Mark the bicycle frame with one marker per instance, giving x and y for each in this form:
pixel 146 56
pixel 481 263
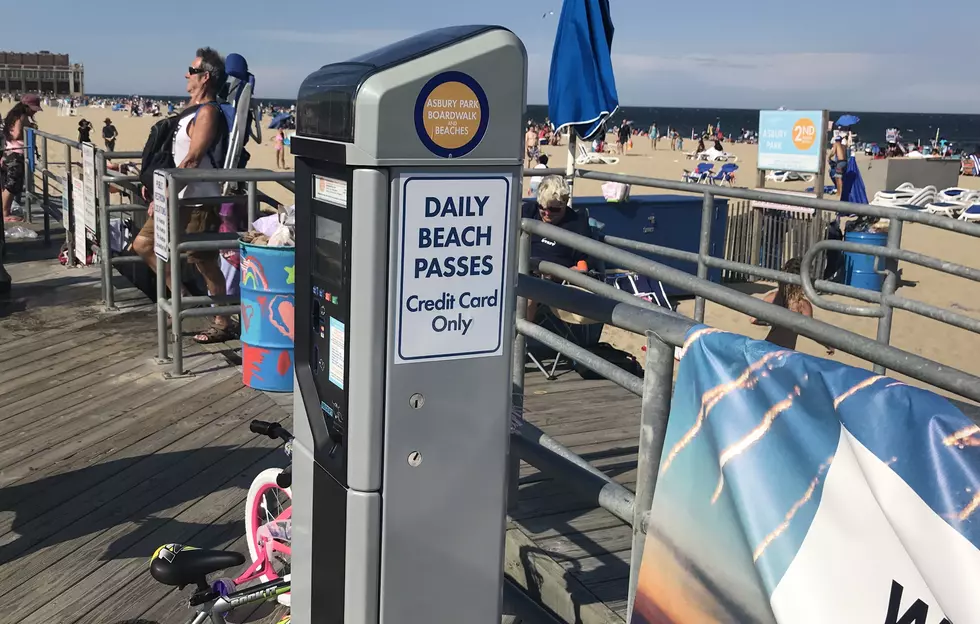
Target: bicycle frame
pixel 258 567
pixel 216 609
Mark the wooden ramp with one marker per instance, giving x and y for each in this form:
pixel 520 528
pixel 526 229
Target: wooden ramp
pixel 102 460
pixel 567 554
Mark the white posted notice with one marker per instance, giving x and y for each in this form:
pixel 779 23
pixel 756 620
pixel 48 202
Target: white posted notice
pixel 88 175
pixel 161 222
pixel 452 261
pixel 78 235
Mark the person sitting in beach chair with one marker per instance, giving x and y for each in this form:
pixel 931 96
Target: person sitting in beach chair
pixel 201 131
pixel 551 207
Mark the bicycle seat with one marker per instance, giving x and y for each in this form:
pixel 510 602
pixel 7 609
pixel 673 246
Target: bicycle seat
pixel 179 565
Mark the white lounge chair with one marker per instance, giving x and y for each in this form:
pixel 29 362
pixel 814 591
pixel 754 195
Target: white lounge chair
pixel 905 194
pixel 789 176
pixel 970 213
pixel 586 157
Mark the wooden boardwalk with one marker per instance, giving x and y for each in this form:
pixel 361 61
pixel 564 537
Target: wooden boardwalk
pixel 102 460
pixel 567 554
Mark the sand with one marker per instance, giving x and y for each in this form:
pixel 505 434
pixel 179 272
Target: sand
pixel 947 345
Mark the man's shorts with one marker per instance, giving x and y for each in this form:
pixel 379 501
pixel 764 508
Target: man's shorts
pixel 840 167
pixel 194 220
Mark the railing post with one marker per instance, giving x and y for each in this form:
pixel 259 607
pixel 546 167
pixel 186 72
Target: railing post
pixel 517 385
pixel 105 236
pixel 45 200
pixel 162 357
pixel 70 218
pixel 29 174
pixel 253 202
pixel 173 218
pixel 704 249
pixel 888 287
pixel 654 411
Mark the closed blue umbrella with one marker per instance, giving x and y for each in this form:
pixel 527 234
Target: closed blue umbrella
pixel 852 189
pixel 582 88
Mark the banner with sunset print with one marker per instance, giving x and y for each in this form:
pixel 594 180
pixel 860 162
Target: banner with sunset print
pixel 797 490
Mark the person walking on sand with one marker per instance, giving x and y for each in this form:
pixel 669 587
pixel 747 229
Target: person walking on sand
pixel 837 159
pixel 280 150
pixel 791 297
pixel 109 135
pixel 654 135
pixel 530 145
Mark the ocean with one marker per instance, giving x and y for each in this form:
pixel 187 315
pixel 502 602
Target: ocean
pixel 964 130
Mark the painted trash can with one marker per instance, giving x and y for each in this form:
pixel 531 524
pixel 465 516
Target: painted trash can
pixel 268 295
pixel 860 268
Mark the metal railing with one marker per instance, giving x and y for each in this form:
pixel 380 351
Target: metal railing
pixel 664 329
pixel 47 174
pixel 179 307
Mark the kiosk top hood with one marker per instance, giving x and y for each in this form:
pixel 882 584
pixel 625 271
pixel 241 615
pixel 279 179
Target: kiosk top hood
pixel 398 105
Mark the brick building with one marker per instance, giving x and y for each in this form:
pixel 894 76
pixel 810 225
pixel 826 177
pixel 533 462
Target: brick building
pixel 40 72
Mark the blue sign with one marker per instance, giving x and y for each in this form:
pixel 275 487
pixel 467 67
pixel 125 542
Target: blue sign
pixel 790 140
pixel 30 151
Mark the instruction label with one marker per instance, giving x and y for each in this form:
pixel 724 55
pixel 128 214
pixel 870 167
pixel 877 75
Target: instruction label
pixel 161 221
pixel 335 370
pixel 452 259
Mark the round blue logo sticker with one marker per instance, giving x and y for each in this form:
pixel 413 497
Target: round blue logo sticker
pixel 451 114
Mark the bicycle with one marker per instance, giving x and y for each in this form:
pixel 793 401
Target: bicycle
pixel 268 529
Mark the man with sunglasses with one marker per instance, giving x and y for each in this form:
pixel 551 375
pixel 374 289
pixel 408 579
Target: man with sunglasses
pixel 552 208
pixel 194 145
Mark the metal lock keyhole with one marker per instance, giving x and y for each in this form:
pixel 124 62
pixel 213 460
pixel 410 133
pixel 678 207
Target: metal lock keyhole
pixel 416 400
pixel 414 459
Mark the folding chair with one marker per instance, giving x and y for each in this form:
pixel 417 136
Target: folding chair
pixel 639 286
pixel 575 328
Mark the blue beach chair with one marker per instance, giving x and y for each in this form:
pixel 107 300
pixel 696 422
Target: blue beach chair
pixel 726 175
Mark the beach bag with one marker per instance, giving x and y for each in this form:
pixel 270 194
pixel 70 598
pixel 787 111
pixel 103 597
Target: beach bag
pixel 158 149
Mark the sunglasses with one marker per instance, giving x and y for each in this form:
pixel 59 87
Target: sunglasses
pixel 550 209
pixel 193 71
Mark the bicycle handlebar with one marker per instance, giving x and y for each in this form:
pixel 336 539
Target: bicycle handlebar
pixel 270 430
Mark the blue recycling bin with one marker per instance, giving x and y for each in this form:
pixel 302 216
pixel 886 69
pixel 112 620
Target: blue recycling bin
pixel 859 269
pixel 268 295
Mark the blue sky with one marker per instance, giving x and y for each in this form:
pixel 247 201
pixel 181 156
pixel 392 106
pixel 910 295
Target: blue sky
pixel 709 53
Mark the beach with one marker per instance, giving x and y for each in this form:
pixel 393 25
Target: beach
pixel 947 345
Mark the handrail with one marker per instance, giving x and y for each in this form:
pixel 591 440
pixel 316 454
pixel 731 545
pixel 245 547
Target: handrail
pixel 915 366
pixel 870 210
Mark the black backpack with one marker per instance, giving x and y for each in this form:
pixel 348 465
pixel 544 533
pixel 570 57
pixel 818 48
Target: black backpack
pixel 158 149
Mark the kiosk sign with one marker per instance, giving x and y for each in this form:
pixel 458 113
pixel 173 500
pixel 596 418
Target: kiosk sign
pixel 451 114
pixel 452 265
pixel 790 140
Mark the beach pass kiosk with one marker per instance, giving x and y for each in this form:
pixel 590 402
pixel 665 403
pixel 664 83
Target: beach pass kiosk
pixel 408 178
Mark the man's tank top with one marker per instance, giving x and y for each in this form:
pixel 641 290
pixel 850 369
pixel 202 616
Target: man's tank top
pixel 182 145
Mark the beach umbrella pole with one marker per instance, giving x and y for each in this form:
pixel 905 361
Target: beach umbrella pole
pixel 570 165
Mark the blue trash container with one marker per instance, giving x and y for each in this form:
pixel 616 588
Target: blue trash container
pixel 268 309
pixel 860 268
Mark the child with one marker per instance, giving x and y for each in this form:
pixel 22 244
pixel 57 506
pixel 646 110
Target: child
pixel 280 151
pixel 791 297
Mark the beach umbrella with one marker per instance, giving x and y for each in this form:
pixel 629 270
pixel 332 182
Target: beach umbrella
pixel 848 120
pixel 852 188
pixel 582 89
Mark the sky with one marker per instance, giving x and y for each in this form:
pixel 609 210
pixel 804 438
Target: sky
pixel 856 55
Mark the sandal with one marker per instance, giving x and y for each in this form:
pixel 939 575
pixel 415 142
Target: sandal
pixel 13 219
pixel 215 334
